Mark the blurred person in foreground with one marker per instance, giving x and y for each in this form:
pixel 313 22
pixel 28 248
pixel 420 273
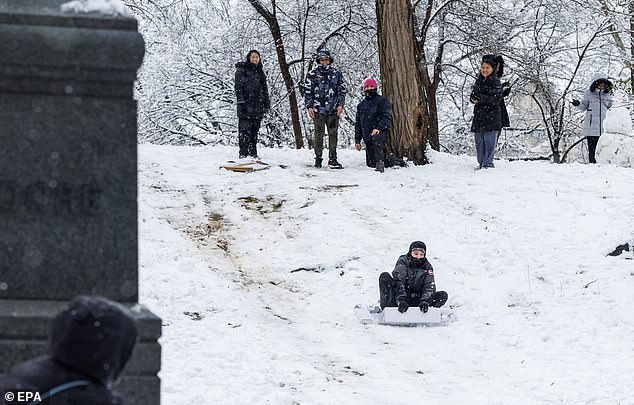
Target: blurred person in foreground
pixel 90 343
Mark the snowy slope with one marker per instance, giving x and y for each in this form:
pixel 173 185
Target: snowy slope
pixel 273 262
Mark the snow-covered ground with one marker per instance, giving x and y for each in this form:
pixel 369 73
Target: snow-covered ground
pixel 255 277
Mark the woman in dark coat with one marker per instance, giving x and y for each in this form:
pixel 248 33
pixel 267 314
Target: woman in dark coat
pixel 487 116
pixel 252 96
pixel 372 124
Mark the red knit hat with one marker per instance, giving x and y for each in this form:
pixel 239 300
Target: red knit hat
pixel 369 82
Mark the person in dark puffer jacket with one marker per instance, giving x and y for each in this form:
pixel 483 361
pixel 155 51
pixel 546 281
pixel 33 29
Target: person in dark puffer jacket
pixel 89 345
pixel 253 102
pixel 411 283
pixel 372 124
pixel 487 117
pixel 325 98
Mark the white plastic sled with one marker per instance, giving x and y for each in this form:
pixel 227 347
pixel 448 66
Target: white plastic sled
pixel 390 316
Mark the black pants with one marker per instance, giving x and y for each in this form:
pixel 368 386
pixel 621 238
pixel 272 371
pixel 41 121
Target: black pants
pixel 388 295
pixel 374 149
pixel 248 136
pixel 592 147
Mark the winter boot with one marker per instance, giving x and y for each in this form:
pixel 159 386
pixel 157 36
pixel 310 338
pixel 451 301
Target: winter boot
pixel 318 162
pixel 380 166
pixel 333 164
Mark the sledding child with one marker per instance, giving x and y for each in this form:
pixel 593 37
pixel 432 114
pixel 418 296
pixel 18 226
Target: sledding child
pixel 411 283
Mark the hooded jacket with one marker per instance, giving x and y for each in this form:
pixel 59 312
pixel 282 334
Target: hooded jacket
pixel 373 112
pixel 595 103
pixel 413 282
pixel 487 115
pixel 90 340
pixel 252 92
pixel 324 88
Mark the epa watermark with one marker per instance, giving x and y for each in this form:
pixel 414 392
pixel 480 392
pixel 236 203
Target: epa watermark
pixel 23 397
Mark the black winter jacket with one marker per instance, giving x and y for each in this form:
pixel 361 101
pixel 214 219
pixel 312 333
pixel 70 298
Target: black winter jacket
pixel 92 340
pixel 504 115
pixel 413 283
pixel 252 92
pixel 373 112
pixel 487 114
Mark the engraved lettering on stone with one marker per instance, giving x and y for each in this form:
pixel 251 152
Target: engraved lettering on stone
pixel 50 197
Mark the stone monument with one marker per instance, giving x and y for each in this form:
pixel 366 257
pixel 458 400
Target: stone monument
pixel 68 177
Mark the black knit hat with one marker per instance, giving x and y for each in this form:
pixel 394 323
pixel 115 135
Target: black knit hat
pixel 417 245
pixel 324 54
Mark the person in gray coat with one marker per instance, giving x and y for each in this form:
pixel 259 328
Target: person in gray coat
pixel 595 103
pixel 411 283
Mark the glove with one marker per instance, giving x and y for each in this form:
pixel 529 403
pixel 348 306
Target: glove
pixel 506 89
pixel 575 102
pixel 402 307
pixel 424 306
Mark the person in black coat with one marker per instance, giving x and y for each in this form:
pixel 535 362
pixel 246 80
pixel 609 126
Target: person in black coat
pixel 253 102
pixel 411 283
pixel 372 124
pixel 89 345
pixel 506 90
pixel 487 116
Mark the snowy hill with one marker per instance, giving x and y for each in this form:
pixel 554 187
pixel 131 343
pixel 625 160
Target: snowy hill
pixel 255 277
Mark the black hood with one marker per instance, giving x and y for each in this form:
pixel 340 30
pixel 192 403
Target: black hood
pixel 606 82
pixel 417 263
pixel 248 65
pixel 94 336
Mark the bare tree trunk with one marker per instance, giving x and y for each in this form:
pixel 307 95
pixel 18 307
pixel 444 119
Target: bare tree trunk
pixel 398 56
pixel 274 27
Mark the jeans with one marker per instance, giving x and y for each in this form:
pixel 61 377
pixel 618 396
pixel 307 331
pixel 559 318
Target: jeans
pixel 485 147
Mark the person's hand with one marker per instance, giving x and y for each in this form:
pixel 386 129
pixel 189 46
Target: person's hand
pixel 506 89
pixel 402 306
pixel 311 113
pixel 424 306
pixel 375 132
pixel 339 110
pixel 473 100
pixel 575 102
pixel 357 146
